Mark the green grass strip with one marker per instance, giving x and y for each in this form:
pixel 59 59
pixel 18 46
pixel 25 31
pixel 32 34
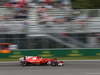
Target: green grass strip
pixel 60 58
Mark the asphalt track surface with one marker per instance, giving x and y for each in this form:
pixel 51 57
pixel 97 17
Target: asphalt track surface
pixel 70 68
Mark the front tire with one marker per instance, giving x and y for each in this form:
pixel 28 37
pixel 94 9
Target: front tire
pixel 53 63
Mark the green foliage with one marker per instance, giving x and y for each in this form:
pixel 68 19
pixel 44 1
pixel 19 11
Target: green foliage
pixel 86 4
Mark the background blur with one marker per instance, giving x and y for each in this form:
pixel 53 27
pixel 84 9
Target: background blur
pixel 46 24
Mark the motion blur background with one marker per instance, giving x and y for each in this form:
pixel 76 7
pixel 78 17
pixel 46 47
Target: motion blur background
pixel 44 24
pixel 62 29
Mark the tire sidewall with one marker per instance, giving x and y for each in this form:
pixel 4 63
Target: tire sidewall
pixel 24 63
pixel 53 63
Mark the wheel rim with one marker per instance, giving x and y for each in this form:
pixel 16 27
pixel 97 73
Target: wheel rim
pixel 24 63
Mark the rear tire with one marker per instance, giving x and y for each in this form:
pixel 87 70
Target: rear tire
pixel 24 63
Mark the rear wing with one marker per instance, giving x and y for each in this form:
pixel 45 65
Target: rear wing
pixel 24 58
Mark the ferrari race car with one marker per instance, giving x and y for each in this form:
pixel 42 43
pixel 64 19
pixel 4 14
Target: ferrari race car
pixel 39 61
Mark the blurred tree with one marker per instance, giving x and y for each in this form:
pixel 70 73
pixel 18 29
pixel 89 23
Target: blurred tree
pixel 96 4
pixel 86 4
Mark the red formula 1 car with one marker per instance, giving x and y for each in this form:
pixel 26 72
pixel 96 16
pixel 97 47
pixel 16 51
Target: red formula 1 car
pixel 39 61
